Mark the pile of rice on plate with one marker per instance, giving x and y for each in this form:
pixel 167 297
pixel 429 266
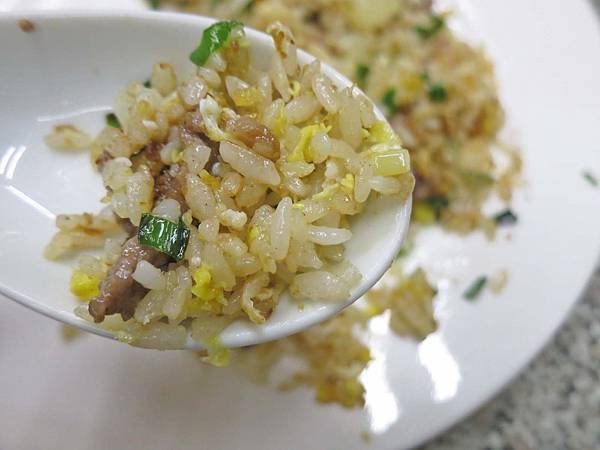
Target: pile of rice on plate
pixel 441 98
pixel 439 92
pixel 232 186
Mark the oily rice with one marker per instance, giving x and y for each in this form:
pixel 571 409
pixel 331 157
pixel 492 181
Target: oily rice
pixel 258 172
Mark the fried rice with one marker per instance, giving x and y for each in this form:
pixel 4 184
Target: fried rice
pixel 232 186
pixel 441 97
pixel 439 92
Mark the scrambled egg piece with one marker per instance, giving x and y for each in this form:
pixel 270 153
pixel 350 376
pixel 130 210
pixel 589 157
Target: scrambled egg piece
pixel 279 126
pixel 218 355
pixel 253 233
pixel 303 151
pixel 327 193
pixel 246 97
pixel 347 183
pixel 299 205
pixel 382 133
pixel 84 286
pixel 209 180
pixel 204 288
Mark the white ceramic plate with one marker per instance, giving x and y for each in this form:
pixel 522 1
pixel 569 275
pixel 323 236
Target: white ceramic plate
pixel 97 394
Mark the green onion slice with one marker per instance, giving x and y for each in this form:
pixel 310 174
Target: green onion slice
pixel 475 289
pixel 163 235
pixel 361 73
pixel 506 217
pixel 437 203
pixel 437 93
pixel 214 37
pixel 436 24
pixel 389 100
pixel 111 120
pixel 591 178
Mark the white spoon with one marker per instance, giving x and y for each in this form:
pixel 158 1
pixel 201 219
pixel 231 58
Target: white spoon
pixel 68 70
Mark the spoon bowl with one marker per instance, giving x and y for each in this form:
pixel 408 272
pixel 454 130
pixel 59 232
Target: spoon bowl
pixel 68 69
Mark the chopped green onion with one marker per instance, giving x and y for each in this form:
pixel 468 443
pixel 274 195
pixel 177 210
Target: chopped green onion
pixel 506 217
pixel 402 253
pixel 389 100
pixel 475 289
pixel 112 121
pixel 214 37
pixel 436 24
pixel 362 72
pixel 590 178
pixel 437 93
pixel 154 4
pixel 407 248
pixel 163 235
pixel 147 83
pixel 437 202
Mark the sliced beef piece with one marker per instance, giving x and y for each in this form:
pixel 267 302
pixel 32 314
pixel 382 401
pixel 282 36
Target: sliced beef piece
pixel 169 184
pixel 215 156
pixel 127 226
pixel 190 134
pixel 102 159
pixel 119 293
pixel 191 128
pixel 129 303
pixel 255 136
pixel 150 157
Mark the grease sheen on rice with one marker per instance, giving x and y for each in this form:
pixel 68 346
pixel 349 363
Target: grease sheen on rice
pixel 263 169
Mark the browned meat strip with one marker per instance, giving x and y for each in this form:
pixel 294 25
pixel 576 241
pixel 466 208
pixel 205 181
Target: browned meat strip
pixel 215 156
pixel 255 136
pixel 26 25
pixel 192 126
pixel 129 303
pixel 102 159
pixel 119 293
pixel 127 226
pixel 169 184
pixel 150 157
pixel 191 134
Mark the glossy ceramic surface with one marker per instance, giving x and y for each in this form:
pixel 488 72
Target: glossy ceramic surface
pixel 93 392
